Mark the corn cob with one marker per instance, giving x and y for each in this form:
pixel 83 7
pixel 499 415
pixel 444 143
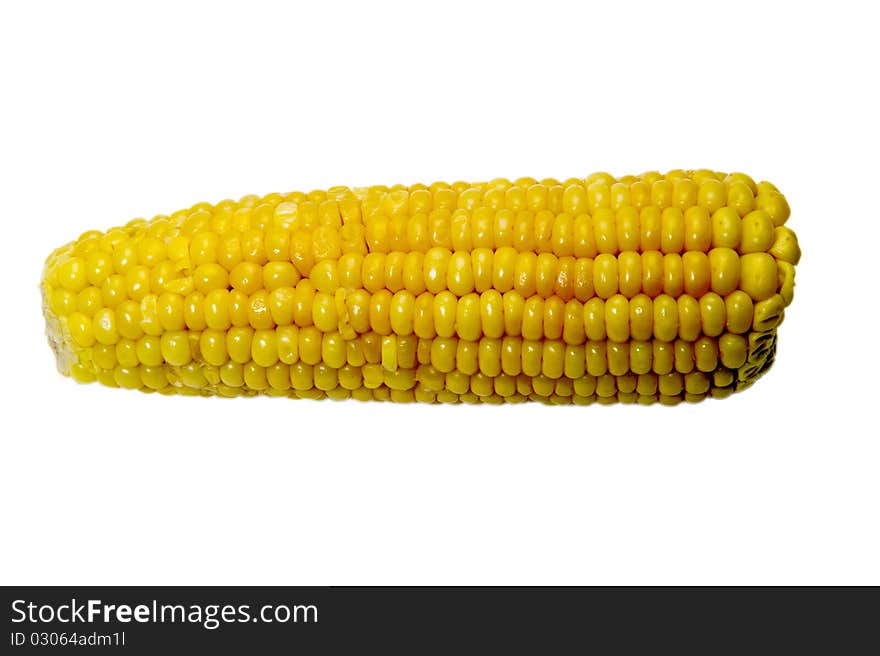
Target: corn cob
pixel 651 288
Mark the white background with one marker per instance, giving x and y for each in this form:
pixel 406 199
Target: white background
pixel 116 110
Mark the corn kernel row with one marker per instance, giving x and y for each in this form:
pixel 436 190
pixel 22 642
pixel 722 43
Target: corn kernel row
pixel 235 379
pixel 87 286
pixel 489 356
pixel 208 256
pixel 490 314
pixel 605 231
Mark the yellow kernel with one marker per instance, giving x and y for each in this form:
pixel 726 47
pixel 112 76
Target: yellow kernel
pixel 436 264
pixel 606 386
pixel 254 376
pixel 722 377
pixel 238 343
pixel 684 193
pixel 80 327
pixel 546 268
pixel 287 342
pixel 724 269
pixel 598 194
pixel 310 344
pixel 739 309
pixel 758 277
pixel 757 232
pixel 137 282
pixel 698 229
pixel 489 357
pixel 653 273
pixel 212 346
pixel 278 376
pixel 104 356
pixel 175 348
pixel 246 277
pixel 594 319
pixel 712 314
pixel 533 318
pixel 467 317
pixel 651 223
pixel 202 248
pixel 258 311
pixel 531 352
pixel 413 268
pixel 88 301
pixel 124 257
pixel 127 377
pixel 605 275
pixel 562 235
pixel 402 312
pixel 605 231
pixel 711 195
pixel 511 355
pixel 98 266
pixel 554 317
pixel 232 374
pixel 665 318
pixel 573 331
pixel 734 350
pixel 114 290
pixel 264 350
pixel 72 274
pixel 148 350
pixel 303 299
pixel 584 237
pixel 629 265
pixel 662 357
pixel 785 245
pixel 673 274
pixel 706 354
pixel 740 198
pixel 170 310
pixel 628 228
pixel 672 230
pixel 210 276
pixel 491 314
pixel 460 277
pixel 688 317
pixel 216 309
pixel 514 307
pixel 104 327
pixel 324 312
pixel 641 317
pixel 253 246
pixel 617 318
pixel 277 245
pixel 280 274
pixel 768 314
pixel 357 309
pixel 774 203
pixel 553 359
pixel 684 356
pixel 640 357
pixel 726 228
pixel 62 302
pixel 670 384
pixel 696 273
pixel 525 274
pixel 467 357
pixel 696 383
